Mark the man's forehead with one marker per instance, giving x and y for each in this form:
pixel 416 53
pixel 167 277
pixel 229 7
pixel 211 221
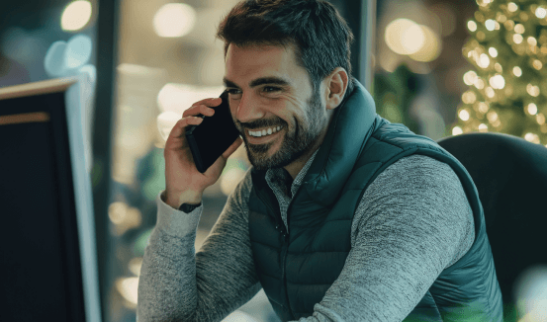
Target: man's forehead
pixel 250 63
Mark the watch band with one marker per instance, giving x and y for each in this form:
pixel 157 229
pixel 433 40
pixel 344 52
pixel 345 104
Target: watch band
pixel 187 208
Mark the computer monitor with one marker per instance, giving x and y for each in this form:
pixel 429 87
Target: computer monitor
pixel 48 261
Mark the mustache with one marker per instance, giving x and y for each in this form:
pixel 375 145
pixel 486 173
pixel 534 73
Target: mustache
pixel 261 123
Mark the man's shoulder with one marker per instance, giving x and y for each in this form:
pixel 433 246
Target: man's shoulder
pixel 415 178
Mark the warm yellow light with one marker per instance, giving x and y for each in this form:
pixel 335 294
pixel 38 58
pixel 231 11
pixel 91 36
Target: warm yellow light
pixel 76 15
pixel 517 71
pixel 483 107
pixel 498 67
pixel 531 137
pixel 174 20
pixel 128 288
pixel 479 84
pixel 532 90
pixel 464 115
pixel 541 12
pixel 404 36
pixel 540 118
pixel 537 64
pixel 472 26
pixel 512 7
pixel 519 28
pixel 431 47
pixel 484 61
pixel 490 24
pixel 135 265
pixel 457 130
pixel 517 38
pixel 483 127
pixel 497 82
pixel 532 41
pixel 490 92
pixel 469 78
pixel 493 52
pixel 492 116
pixel 469 97
pixel 124 217
pixel 532 109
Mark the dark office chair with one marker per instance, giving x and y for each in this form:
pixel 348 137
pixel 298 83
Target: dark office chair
pixel 511 176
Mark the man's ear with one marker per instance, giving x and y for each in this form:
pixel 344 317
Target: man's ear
pixel 336 85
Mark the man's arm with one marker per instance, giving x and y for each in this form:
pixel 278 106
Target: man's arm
pixel 178 285
pixel 413 221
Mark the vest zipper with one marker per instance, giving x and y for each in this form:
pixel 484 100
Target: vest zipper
pixel 280 226
pixel 284 249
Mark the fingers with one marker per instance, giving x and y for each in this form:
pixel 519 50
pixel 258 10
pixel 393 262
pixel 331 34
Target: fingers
pixel 198 109
pixel 179 128
pixel 232 148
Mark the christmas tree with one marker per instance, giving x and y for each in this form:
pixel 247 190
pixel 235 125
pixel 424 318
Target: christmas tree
pixel 507 88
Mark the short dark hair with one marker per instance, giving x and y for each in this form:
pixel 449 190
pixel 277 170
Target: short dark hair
pixel 320 36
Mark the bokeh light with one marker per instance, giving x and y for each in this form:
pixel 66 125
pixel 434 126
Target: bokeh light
pixel 472 26
pixel 128 287
pixel 404 36
pixel 497 82
pixel 174 20
pixel 431 48
pixel 76 15
pixel 78 51
pixel 532 109
pixel 54 61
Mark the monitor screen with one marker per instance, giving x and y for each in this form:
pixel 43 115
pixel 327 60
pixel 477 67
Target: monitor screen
pixel 47 238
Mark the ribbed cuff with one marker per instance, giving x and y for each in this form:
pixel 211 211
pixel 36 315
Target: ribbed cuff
pixel 176 222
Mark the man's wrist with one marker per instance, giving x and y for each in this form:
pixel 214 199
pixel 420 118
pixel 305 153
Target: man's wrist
pixel 188 197
pixel 188 208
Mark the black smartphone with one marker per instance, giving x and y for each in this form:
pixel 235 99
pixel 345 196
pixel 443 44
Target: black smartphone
pixel 213 136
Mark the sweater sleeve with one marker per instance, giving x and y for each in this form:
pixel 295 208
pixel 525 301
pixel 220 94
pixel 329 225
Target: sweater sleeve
pixel 176 284
pixel 413 221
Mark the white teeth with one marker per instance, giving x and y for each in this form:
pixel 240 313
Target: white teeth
pixel 264 132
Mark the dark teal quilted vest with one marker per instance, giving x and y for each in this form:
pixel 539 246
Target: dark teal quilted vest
pixel 296 269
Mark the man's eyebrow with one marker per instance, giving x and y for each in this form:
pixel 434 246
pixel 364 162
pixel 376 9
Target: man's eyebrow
pixel 260 81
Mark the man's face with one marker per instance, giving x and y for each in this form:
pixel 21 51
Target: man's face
pixel 271 95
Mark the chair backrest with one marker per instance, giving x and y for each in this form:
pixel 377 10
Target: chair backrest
pixel 511 176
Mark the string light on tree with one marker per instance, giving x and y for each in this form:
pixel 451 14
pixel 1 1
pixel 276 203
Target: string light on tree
pixel 508 51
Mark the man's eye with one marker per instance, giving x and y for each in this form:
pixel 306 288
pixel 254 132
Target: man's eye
pixel 272 89
pixel 233 91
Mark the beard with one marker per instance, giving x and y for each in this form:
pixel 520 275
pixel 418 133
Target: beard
pixel 293 145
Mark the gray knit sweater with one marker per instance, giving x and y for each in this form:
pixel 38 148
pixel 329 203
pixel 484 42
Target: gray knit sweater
pixel 413 221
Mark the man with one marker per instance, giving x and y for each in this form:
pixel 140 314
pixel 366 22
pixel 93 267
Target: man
pixel 343 215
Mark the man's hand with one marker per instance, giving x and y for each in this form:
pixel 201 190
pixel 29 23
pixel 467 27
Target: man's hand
pixel 184 183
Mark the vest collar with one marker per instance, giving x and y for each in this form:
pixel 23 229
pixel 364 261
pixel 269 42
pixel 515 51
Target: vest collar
pixel 348 132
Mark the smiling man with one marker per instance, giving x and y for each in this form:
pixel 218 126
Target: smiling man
pixel 343 215
pixel 285 122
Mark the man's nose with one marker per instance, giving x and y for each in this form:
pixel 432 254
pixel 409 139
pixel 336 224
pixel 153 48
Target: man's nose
pixel 248 109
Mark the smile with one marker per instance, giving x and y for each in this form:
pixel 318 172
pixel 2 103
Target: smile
pixel 264 132
pixel 264 135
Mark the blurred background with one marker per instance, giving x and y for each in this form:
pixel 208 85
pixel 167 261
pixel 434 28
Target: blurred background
pixel 442 68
